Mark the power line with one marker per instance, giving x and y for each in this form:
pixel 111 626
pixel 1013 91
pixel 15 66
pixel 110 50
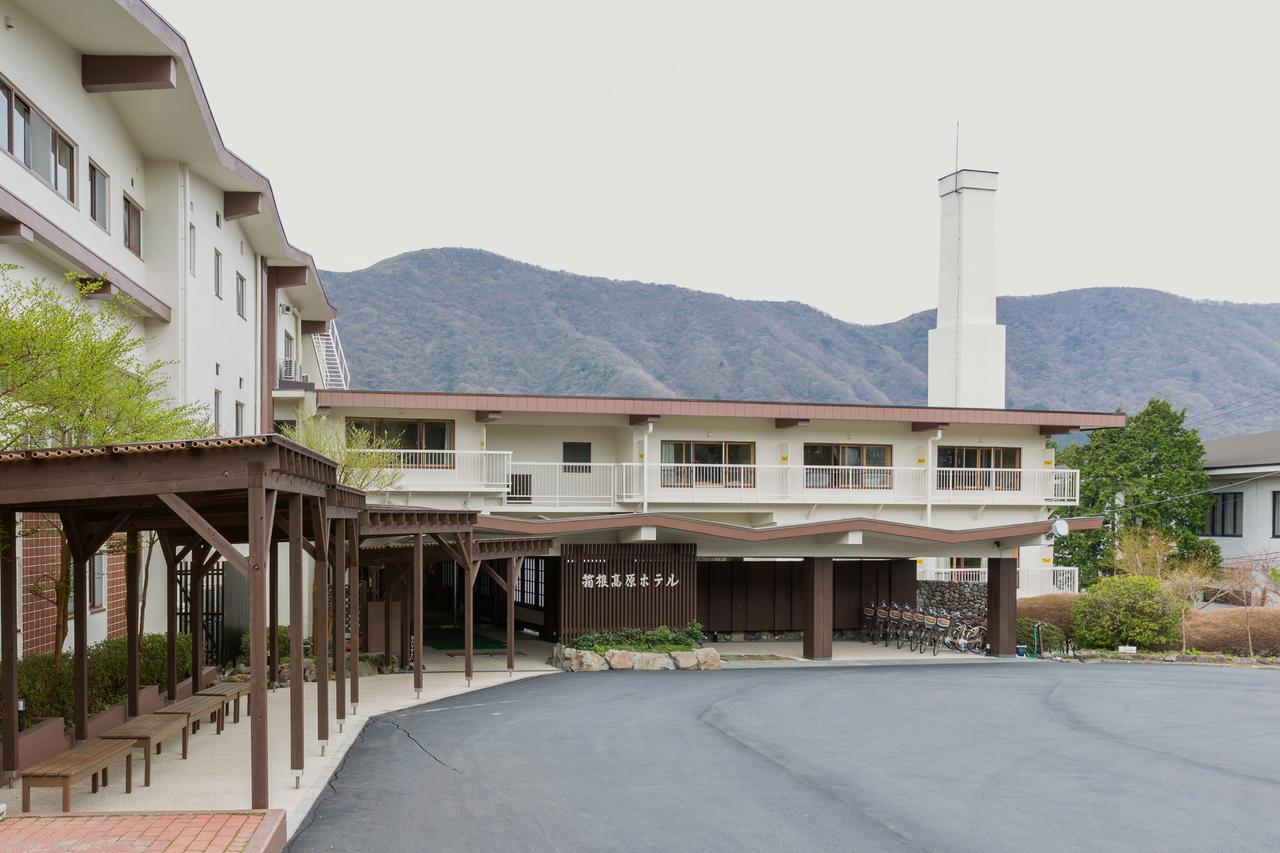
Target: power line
pixel 1191 494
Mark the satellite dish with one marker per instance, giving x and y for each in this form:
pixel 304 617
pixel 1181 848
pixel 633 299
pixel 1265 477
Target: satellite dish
pixel 1060 527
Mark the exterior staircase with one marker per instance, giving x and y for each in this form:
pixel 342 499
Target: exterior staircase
pixel 333 363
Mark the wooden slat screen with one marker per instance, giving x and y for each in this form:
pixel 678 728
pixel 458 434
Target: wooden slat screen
pixel 629 598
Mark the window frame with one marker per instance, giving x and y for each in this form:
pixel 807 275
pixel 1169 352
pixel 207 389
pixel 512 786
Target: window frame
pixel 217 411
pixel 217 273
pixel 575 466
pixel 239 417
pixel 1275 515
pixel 988 476
pixel 412 459
pixel 242 296
pixel 1215 522
pixel 98 576
pixel 96 170
pixel 130 207
pixel 690 473
pixel 12 96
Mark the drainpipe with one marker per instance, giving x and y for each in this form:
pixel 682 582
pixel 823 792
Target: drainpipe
pixel 929 460
pixel 644 468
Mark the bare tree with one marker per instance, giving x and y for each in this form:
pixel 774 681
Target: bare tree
pixel 1245 578
pixel 1192 583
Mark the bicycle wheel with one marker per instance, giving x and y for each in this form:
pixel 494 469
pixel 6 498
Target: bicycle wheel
pixel 979 640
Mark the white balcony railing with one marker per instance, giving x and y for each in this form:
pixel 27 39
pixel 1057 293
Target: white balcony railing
pixel 451 470
pixel 1034 580
pixel 556 484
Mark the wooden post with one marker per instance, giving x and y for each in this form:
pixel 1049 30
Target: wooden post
pixel 340 620
pixel 818 591
pixel 468 617
pixel 296 749
pixel 416 592
pixel 1002 613
pixel 273 615
pixel 9 544
pixel 171 613
pixel 384 581
pixel 195 593
pixel 353 567
pixel 513 574
pixel 259 540
pixel 80 585
pixel 320 632
pixel 132 571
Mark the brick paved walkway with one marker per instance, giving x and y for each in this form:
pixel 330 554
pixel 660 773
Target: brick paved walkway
pixel 168 831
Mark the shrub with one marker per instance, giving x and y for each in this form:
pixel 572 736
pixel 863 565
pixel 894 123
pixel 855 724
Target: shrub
pixel 1126 610
pixel 661 639
pixel 282 631
pixel 47 688
pixel 1051 637
pixel 1054 609
pixel 1223 630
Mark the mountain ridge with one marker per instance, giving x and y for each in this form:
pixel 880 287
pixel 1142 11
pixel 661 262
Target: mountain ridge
pixel 454 319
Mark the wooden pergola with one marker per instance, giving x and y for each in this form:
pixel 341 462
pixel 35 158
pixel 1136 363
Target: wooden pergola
pixel 203 498
pixel 394 538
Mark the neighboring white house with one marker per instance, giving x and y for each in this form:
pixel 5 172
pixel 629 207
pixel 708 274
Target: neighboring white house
pixel 1245 517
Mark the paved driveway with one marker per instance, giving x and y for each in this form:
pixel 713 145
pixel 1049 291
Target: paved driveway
pixel 1017 757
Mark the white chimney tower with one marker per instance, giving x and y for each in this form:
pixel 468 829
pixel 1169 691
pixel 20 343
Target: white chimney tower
pixel 966 349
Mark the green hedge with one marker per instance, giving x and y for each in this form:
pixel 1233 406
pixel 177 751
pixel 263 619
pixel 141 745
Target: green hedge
pixel 1126 610
pixel 47 689
pixel 282 631
pixel 1051 637
pixel 661 639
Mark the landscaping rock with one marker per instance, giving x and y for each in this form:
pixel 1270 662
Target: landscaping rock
pixel 707 658
pixel 579 660
pixel 619 659
pixel 685 660
pixel 367 668
pixel 557 656
pixel 652 661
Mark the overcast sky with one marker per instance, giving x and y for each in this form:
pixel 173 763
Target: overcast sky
pixel 783 150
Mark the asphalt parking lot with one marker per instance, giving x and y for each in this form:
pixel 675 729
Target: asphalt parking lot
pixel 1016 757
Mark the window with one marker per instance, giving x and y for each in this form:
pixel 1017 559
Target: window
pixel 1275 515
pixel 240 294
pixel 132 227
pixel 824 464
pixel 217 273
pixel 729 464
pixel 1226 516
pixel 980 468
pixel 288 346
pixel 576 456
pixel 217 218
pixel 217 412
pixel 239 418
pixel 191 249
pixel 412 435
pixel 531 584
pixel 98 582
pixel 98 190
pixel 37 144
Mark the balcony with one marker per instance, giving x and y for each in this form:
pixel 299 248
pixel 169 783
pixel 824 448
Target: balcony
pixel 618 485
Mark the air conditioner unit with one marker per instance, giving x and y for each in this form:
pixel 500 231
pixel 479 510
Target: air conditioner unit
pixel 288 368
pixel 286 309
pixel 305 377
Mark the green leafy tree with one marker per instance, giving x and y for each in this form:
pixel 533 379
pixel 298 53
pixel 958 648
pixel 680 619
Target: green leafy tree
pixel 75 372
pixel 1149 473
pixel 361 462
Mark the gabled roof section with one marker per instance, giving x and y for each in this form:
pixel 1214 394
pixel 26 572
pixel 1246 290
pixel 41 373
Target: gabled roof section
pixel 1243 451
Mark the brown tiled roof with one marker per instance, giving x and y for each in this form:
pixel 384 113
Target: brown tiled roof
pixel 149 447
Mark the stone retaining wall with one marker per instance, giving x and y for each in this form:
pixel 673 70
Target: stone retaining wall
pixel 968 598
pixel 580 660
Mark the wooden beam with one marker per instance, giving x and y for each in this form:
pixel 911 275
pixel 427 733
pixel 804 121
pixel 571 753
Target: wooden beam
pixel 1002 606
pixel 320 628
pixel 637 420
pixel 928 426
pixel 13 231
pixel 514 565
pixel 99 74
pixel 788 423
pixel 1050 429
pixel 339 621
pixel 238 205
pixel 287 276
pixel 315 327
pixel 818 607
pixel 416 592
pixel 171 561
pixel 487 417
pixel 273 614
pixel 494 576
pixel 353 567
pixel 207 531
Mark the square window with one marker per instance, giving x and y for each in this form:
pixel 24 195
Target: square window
pixel 576 456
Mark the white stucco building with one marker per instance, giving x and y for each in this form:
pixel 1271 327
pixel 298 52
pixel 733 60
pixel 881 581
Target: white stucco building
pixel 1245 517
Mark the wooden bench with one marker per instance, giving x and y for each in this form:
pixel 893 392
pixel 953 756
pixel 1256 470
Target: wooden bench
pixel 147 732
pixel 231 691
pixel 195 708
pixel 77 763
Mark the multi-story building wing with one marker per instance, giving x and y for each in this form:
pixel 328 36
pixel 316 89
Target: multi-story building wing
pixel 1245 516
pixel 114 168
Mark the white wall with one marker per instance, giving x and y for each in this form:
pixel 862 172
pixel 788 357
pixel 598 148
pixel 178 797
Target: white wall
pixel 1256 516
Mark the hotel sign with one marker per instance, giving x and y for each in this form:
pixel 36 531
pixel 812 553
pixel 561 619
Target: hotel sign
pixel 628 581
